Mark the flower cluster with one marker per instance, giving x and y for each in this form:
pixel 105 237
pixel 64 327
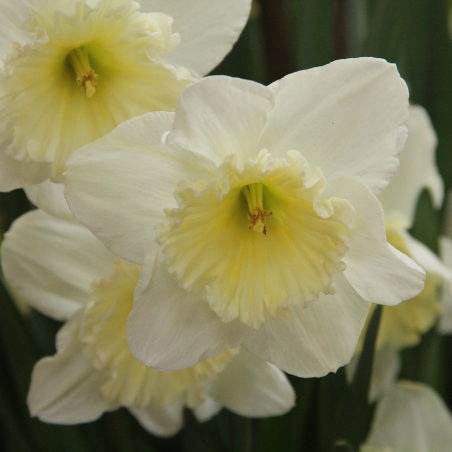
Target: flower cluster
pixel 213 232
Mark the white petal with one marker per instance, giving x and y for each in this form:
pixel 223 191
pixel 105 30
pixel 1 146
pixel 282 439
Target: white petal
pixel 377 271
pixel 51 263
pixel 169 329
pixel 12 17
pixel 386 368
pixel 119 185
pixel 207 410
pixel 16 173
pixel 252 387
pixel 417 168
pixel 208 29
pixel 65 387
pixel 411 418
pixel 317 339
pixel 218 116
pixel 50 198
pixel 347 117
pixel 165 421
pixel 445 324
pixel 426 258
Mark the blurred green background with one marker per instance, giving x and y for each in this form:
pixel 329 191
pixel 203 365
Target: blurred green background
pixel 282 36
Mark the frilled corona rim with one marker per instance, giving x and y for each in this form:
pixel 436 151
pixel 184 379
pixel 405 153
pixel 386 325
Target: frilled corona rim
pixel 258 240
pixel 84 74
pixel 127 381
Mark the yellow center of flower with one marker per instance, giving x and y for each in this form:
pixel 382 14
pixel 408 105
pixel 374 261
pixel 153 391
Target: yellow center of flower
pixel 127 381
pixel 85 76
pixel 111 44
pixel 212 247
pixel 256 214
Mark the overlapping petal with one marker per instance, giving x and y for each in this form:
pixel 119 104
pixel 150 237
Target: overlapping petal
pixel 377 271
pixel 119 186
pixel 164 421
pixel 411 418
pixel 252 387
pixel 49 197
pixel 220 22
pixel 445 324
pixel 51 263
pixel 206 410
pixel 347 117
pixel 317 339
pixel 429 261
pixel 219 116
pixel 72 393
pixel 169 329
pixel 12 17
pixel 417 169
pixel 15 173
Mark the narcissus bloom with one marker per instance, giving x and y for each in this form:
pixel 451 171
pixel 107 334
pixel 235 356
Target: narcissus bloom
pixel 402 325
pixel 445 324
pixel 60 268
pixel 254 213
pixel 410 418
pixel 72 70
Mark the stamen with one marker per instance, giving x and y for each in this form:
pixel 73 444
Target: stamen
pixel 86 77
pixel 257 216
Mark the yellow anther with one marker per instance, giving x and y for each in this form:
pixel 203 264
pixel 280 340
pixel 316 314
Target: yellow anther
pixel 257 216
pixel 85 76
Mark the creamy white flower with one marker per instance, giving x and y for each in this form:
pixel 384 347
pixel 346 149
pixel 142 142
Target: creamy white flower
pixel 260 201
pixel 60 268
pixel 410 418
pixel 72 70
pixel 445 324
pixel 403 325
pixel 417 169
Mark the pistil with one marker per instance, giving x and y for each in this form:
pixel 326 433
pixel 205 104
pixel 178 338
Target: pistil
pixel 86 77
pixel 257 216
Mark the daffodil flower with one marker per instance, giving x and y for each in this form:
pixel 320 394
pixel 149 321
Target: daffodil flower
pixel 445 324
pixel 253 211
pixel 72 70
pixel 402 326
pixel 410 418
pixel 61 269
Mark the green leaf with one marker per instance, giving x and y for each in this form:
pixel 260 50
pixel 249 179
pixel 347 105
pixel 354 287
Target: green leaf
pixel 426 223
pixel 246 60
pixel 312 25
pixel 354 414
pixel 19 352
pixel 292 428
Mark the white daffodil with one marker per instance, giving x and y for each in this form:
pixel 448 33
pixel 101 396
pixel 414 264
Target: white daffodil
pixel 403 325
pixel 252 209
pixel 445 324
pixel 410 418
pixel 72 70
pixel 60 268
